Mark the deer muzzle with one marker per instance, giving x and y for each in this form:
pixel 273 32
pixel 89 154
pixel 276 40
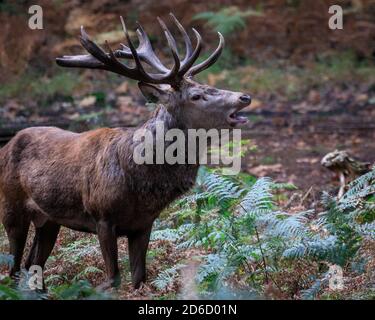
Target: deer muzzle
pixel 234 117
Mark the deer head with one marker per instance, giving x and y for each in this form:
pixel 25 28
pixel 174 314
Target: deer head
pixel 194 105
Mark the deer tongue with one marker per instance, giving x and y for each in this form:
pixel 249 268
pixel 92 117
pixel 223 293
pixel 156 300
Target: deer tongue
pixel 236 118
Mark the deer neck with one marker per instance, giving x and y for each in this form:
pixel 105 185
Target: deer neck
pixel 171 179
pixel 159 124
pixel 169 120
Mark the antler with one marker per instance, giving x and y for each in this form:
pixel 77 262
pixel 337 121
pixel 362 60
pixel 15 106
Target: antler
pixel 99 59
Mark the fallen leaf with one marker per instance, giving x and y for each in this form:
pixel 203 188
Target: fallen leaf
pixel 307 160
pixel 122 88
pixel 263 170
pixel 87 102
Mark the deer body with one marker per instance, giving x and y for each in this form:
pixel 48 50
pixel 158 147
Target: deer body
pixel 90 182
pixel 76 179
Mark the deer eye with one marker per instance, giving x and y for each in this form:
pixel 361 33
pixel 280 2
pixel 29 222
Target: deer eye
pixel 196 97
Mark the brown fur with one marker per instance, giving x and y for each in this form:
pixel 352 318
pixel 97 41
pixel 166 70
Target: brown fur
pixel 89 182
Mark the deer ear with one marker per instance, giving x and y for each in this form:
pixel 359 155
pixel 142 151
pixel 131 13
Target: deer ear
pixel 153 93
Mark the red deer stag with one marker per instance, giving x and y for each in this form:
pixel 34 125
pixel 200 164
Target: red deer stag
pixel 89 181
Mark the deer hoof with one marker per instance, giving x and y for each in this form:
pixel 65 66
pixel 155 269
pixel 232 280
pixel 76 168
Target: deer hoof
pixel 110 283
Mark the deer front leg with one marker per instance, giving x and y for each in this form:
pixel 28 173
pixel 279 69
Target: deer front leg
pixel 108 245
pixel 138 244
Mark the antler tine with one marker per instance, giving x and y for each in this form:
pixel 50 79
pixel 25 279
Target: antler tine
pixel 168 35
pixel 190 56
pixel 82 61
pixel 144 50
pixel 146 53
pixel 210 60
pixel 93 48
pixel 155 78
pixel 136 58
pixel 170 76
pixel 96 60
pixel 122 69
pixel 149 54
pixel 172 46
pixel 99 59
pixel 188 46
pixel 194 56
pixel 108 60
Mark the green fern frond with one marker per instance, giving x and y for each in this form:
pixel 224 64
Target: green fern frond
pixel 214 265
pixel 241 229
pixel 258 199
pixel 171 235
pixel 167 277
pixel 312 292
pixel 288 226
pixel 361 182
pixel 77 250
pixel 324 249
pixel 366 230
pixel 223 189
pixel 8 293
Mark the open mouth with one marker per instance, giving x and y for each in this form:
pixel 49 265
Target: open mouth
pixel 236 118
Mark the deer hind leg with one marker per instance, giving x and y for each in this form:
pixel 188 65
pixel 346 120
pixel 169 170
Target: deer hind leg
pixel 43 243
pixel 16 224
pixel 138 244
pixel 108 245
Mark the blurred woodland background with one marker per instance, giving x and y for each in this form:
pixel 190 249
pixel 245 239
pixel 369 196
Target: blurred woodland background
pixel 313 92
pixel 310 83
